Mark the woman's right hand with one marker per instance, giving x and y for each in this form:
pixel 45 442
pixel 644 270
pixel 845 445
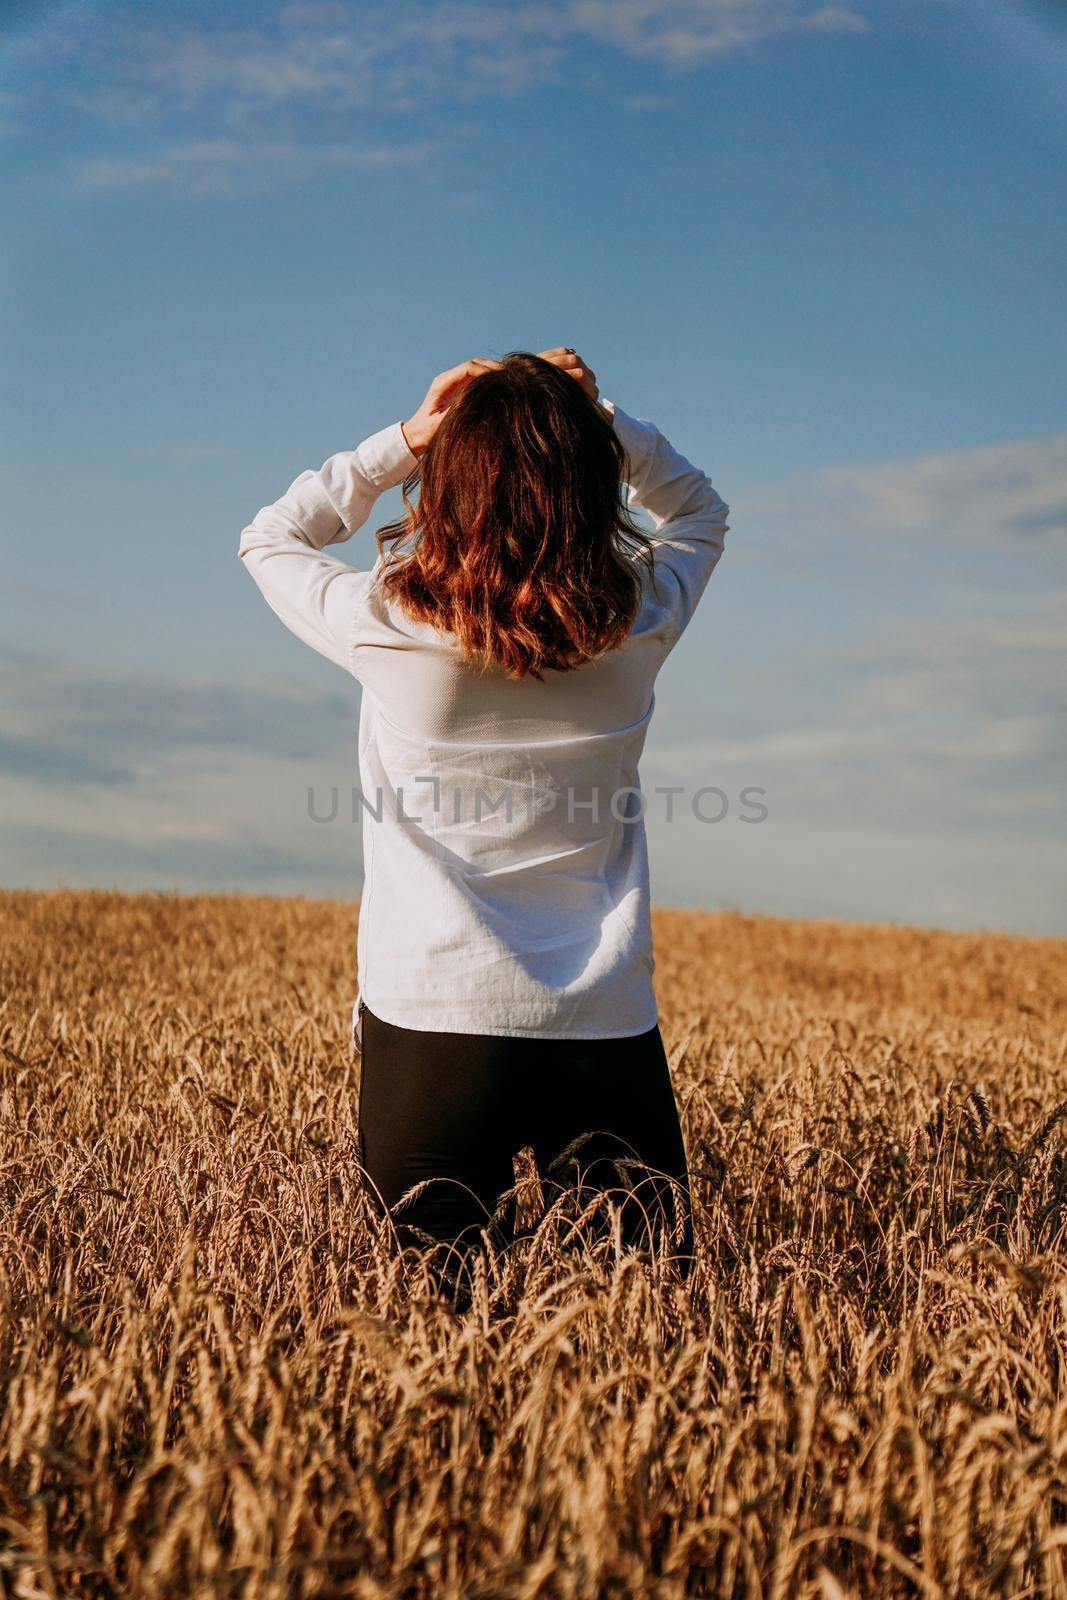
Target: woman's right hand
pixel 420 428
pixel 571 362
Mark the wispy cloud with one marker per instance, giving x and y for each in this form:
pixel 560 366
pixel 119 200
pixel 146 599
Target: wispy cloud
pixel 916 774
pixel 229 166
pixel 914 766
pixel 119 727
pixel 683 33
pixel 390 56
pixel 1011 495
pixel 133 778
pixel 957 717
pixel 212 107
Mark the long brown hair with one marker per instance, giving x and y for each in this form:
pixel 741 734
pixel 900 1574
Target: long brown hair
pixel 521 543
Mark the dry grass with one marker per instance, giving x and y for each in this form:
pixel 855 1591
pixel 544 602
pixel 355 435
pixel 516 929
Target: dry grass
pixel 217 1381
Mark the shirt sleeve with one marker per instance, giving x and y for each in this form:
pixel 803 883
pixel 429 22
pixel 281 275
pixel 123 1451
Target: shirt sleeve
pixel 688 515
pixel 315 594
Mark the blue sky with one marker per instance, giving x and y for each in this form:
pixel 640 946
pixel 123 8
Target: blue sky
pixel 821 246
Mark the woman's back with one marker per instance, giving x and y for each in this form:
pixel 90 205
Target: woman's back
pixel 506 872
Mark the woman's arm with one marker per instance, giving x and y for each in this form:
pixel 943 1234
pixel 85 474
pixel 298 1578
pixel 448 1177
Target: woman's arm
pixel 317 595
pixel 688 515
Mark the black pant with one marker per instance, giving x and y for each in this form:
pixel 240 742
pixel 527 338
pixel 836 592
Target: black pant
pixel 455 1108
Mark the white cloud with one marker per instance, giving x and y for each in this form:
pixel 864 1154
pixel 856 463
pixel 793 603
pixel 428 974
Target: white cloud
pixel 1006 495
pixel 178 92
pixel 682 33
pixel 837 19
pixel 138 779
pixel 229 166
pixel 917 775
pixel 389 61
pixel 940 740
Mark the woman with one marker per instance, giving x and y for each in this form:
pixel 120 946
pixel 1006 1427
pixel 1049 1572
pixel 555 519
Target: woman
pixel 507 642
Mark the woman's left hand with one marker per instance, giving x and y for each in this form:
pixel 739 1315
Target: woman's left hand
pixel 419 429
pixel 571 362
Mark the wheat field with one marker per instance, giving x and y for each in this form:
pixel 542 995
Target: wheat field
pixel 218 1380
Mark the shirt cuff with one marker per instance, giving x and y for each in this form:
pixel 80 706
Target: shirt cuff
pixel 386 458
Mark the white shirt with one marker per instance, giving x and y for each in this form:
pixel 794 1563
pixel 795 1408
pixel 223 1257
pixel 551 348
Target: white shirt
pixel 471 920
